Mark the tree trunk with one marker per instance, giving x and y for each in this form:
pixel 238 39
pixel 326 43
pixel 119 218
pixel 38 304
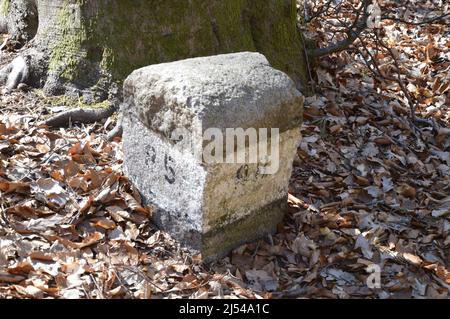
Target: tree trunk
pixel 91 46
pixel 19 18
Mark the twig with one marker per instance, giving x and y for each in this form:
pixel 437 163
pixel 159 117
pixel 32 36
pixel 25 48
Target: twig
pixel 139 273
pixel 428 21
pixel 97 286
pixel 308 65
pixel 358 26
pixel 412 105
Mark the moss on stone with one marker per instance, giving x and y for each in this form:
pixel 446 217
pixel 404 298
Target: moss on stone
pixel 221 240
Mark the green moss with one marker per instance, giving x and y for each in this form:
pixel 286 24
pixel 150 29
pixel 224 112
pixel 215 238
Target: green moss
pixel 4 7
pixel 140 34
pixel 223 238
pixel 64 100
pixel 279 40
pixel 117 37
pixel 99 105
pixel 68 51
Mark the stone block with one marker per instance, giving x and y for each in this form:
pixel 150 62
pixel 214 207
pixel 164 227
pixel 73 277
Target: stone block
pixel 210 143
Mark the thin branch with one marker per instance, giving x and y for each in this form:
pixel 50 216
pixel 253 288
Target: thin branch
pixel 358 26
pixel 324 8
pixel 308 65
pixel 412 104
pixel 428 21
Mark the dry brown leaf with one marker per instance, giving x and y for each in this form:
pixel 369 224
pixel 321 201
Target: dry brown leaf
pixel 407 191
pixel 413 259
pixel 104 223
pixel 12 187
pixel 10 278
pixel 90 240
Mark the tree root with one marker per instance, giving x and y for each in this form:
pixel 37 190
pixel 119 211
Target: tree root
pixel 86 116
pixel 117 130
pixel 80 115
pixel 17 73
pixel 14 73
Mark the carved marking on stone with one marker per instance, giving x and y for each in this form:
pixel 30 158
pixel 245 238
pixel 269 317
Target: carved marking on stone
pixel 242 173
pixel 170 176
pixel 151 156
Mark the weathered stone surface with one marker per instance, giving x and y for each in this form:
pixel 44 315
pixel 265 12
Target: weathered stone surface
pixel 210 206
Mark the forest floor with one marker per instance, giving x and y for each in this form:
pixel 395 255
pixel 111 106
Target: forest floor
pixel 370 195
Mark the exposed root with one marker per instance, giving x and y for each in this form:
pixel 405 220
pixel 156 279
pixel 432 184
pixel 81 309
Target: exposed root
pixel 5 43
pixel 80 115
pixel 86 116
pixel 117 130
pixel 14 73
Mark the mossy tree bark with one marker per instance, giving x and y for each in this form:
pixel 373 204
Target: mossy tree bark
pixel 19 18
pixel 89 46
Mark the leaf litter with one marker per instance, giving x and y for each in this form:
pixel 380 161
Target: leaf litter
pixel 368 189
